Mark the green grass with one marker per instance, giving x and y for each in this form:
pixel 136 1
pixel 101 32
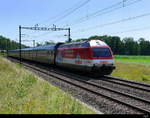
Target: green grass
pixel 142 60
pixel 132 57
pixel 21 92
pixel 133 68
pixel 2 54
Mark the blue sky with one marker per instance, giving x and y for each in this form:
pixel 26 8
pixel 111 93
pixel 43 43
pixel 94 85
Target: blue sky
pixel 46 12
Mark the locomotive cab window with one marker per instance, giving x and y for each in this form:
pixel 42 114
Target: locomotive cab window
pixel 101 52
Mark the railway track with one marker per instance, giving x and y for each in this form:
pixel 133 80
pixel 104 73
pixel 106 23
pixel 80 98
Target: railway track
pixel 143 91
pixel 137 85
pixel 130 102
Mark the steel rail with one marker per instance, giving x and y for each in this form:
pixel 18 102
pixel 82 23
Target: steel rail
pixel 108 89
pixel 126 84
pixel 129 81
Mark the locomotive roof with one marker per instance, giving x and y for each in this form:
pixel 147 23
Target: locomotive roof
pixel 97 43
pixel 90 43
pixel 46 47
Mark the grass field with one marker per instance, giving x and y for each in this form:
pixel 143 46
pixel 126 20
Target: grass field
pixel 143 60
pixel 3 54
pixel 21 92
pixel 133 68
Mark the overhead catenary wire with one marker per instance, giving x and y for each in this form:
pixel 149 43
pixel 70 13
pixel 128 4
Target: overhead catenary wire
pixel 90 15
pixel 132 30
pixel 75 6
pixel 104 11
pixel 70 12
pixel 113 22
pixel 65 14
pixel 44 34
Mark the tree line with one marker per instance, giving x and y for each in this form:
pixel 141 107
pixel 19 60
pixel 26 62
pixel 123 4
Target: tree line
pixel 7 44
pixel 126 46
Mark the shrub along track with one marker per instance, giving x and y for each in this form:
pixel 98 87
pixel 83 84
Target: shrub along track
pixel 107 94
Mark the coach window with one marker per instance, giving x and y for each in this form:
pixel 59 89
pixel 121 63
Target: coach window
pixel 65 46
pixel 62 46
pixel 70 46
pixel 73 46
pixel 76 45
pixel 85 45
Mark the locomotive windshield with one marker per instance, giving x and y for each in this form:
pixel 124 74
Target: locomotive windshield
pixel 101 52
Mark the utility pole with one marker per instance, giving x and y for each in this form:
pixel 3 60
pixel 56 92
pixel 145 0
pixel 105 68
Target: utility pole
pixel 34 43
pixel 124 3
pixel 7 47
pixel 69 39
pixel 20 44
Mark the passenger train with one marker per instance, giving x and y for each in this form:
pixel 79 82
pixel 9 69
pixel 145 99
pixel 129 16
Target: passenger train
pixel 92 56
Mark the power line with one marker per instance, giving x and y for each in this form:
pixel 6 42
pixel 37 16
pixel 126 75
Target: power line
pixel 132 30
pixel 98 13
pixel 62 13
pixel 105 11
pixel 119 3
pixel 84 18
pixel 114 22
pixel 124 3
pixel 44 34
pixel 62 16
pixel 72 11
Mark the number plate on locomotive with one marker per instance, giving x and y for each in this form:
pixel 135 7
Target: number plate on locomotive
pixel 104 62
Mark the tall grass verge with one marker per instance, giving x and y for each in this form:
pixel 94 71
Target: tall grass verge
pixel 21 92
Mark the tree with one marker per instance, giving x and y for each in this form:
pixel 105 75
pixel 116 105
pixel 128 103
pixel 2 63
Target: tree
pixel 7 44
pixel 144 46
